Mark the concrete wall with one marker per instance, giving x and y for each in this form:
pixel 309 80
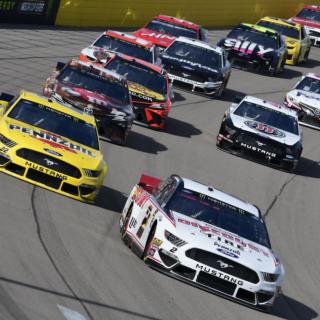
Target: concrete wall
pixel 135 13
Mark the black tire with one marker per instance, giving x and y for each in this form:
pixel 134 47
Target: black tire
pixel 149 242
pixel 126 222
pixel 306 55
pixel 118 135
pixel 219 93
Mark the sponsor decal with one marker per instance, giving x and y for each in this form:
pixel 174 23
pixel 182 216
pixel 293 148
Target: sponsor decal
pixel 219 274
pixel 227 253
pixel 227 250
pixel 4 149
pixel 55 153
pixel 132 223
pixel 264 128
pixel 45 170
pixel 259 150
pixel 54 141
pixel 158 35
pixel 228 238
pixel 246 46
pixel 141 96
pixel 157 242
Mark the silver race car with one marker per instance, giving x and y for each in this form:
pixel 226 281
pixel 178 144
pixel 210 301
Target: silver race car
pixel 202 236
pixel 305 99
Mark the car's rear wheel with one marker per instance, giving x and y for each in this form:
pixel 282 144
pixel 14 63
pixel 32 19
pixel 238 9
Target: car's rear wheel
pixel 149 242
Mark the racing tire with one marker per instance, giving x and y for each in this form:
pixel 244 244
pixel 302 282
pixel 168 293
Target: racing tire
pixel 219 93
pixel 126 222
pixel 118 135
pixel 149 242
pixel 306 55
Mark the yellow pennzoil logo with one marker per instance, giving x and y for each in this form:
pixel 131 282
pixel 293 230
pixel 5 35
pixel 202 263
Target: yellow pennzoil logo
pixel 144 93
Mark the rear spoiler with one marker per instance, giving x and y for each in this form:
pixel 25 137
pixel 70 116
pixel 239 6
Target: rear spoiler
pixel 148 183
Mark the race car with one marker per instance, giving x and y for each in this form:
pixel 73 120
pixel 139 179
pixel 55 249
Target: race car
pixel 255 47
pixel 204 237
pixel 124 43
pixel 309 17
pixel 297 41
pixel 148 84
pixel 51 145
pixel 104 93
pixel 263 131
pixel 163 30
pixel 197 66
pixel 305 99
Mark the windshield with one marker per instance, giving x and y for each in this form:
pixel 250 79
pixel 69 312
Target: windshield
pixel 221 214
pixel 267 116
pixel 139 74
pixel 309 84
pixel 94 83
pixel 309 14
pixel 171 29
pixel 254 37
pixel 55 121
pixel 122 46
pixel 287 31
pixel 195 54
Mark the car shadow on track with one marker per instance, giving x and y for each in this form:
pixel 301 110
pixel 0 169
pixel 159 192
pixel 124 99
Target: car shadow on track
pixel 111 199
pixel 141 142
pixel 289 308
pixel 308 168
pixel 289 74
pixel 311 63
pixel 178 97
pixel 181 128
pixel 231 95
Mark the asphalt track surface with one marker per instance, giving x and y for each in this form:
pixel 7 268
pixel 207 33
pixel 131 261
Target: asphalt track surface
pixel 63 259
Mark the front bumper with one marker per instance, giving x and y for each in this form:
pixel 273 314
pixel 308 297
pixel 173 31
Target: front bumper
pixel 154 118
pixel 82 188
pixel 209 88
pixel 178 265
pixel 258 151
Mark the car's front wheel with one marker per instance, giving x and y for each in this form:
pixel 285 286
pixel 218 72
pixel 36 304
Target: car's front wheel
pixel 119 135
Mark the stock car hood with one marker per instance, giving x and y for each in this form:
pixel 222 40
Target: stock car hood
pixel 158 38
pixel 247 49
pixel 211 238
pixel 27 136
pixel 306 22
pixel 309 98
pixel 80 98
pixel 265 131
pixel 139 92
pixel 188 67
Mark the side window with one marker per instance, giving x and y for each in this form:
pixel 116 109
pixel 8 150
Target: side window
pixel 303 33
pixel 165 190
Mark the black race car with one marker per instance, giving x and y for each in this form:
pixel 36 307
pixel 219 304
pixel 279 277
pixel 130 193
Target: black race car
pixel 262 130
pixel 254 47
pixel 97 90
pixel 197 66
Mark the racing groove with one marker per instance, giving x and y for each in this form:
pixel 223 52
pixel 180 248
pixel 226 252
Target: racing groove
pixel 59 254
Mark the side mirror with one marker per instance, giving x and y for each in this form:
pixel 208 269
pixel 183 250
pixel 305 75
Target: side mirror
pixel 60 65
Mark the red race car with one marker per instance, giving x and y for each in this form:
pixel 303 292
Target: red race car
pixel 148 84
pixel 123 43
pixel 163 30
pixel 309 17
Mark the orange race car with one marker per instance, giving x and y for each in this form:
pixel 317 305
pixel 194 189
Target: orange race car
pixel 149 86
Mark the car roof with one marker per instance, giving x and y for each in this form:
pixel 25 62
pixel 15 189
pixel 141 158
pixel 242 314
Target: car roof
pixel 281 22
pixel 129 38
pixel 271 105
pixel 199 43
pixel 58 105
pixel 314 7
pixel 149 65
pixel 220 195
pixel 264 30
pixel 95 69
pixel 181 22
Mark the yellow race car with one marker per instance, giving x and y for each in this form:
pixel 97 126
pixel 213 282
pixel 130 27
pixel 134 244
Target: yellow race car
pixel 297 40
pixel 49 143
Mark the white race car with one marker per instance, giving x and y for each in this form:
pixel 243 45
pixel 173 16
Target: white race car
pixel 305 99
pixel 202 236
